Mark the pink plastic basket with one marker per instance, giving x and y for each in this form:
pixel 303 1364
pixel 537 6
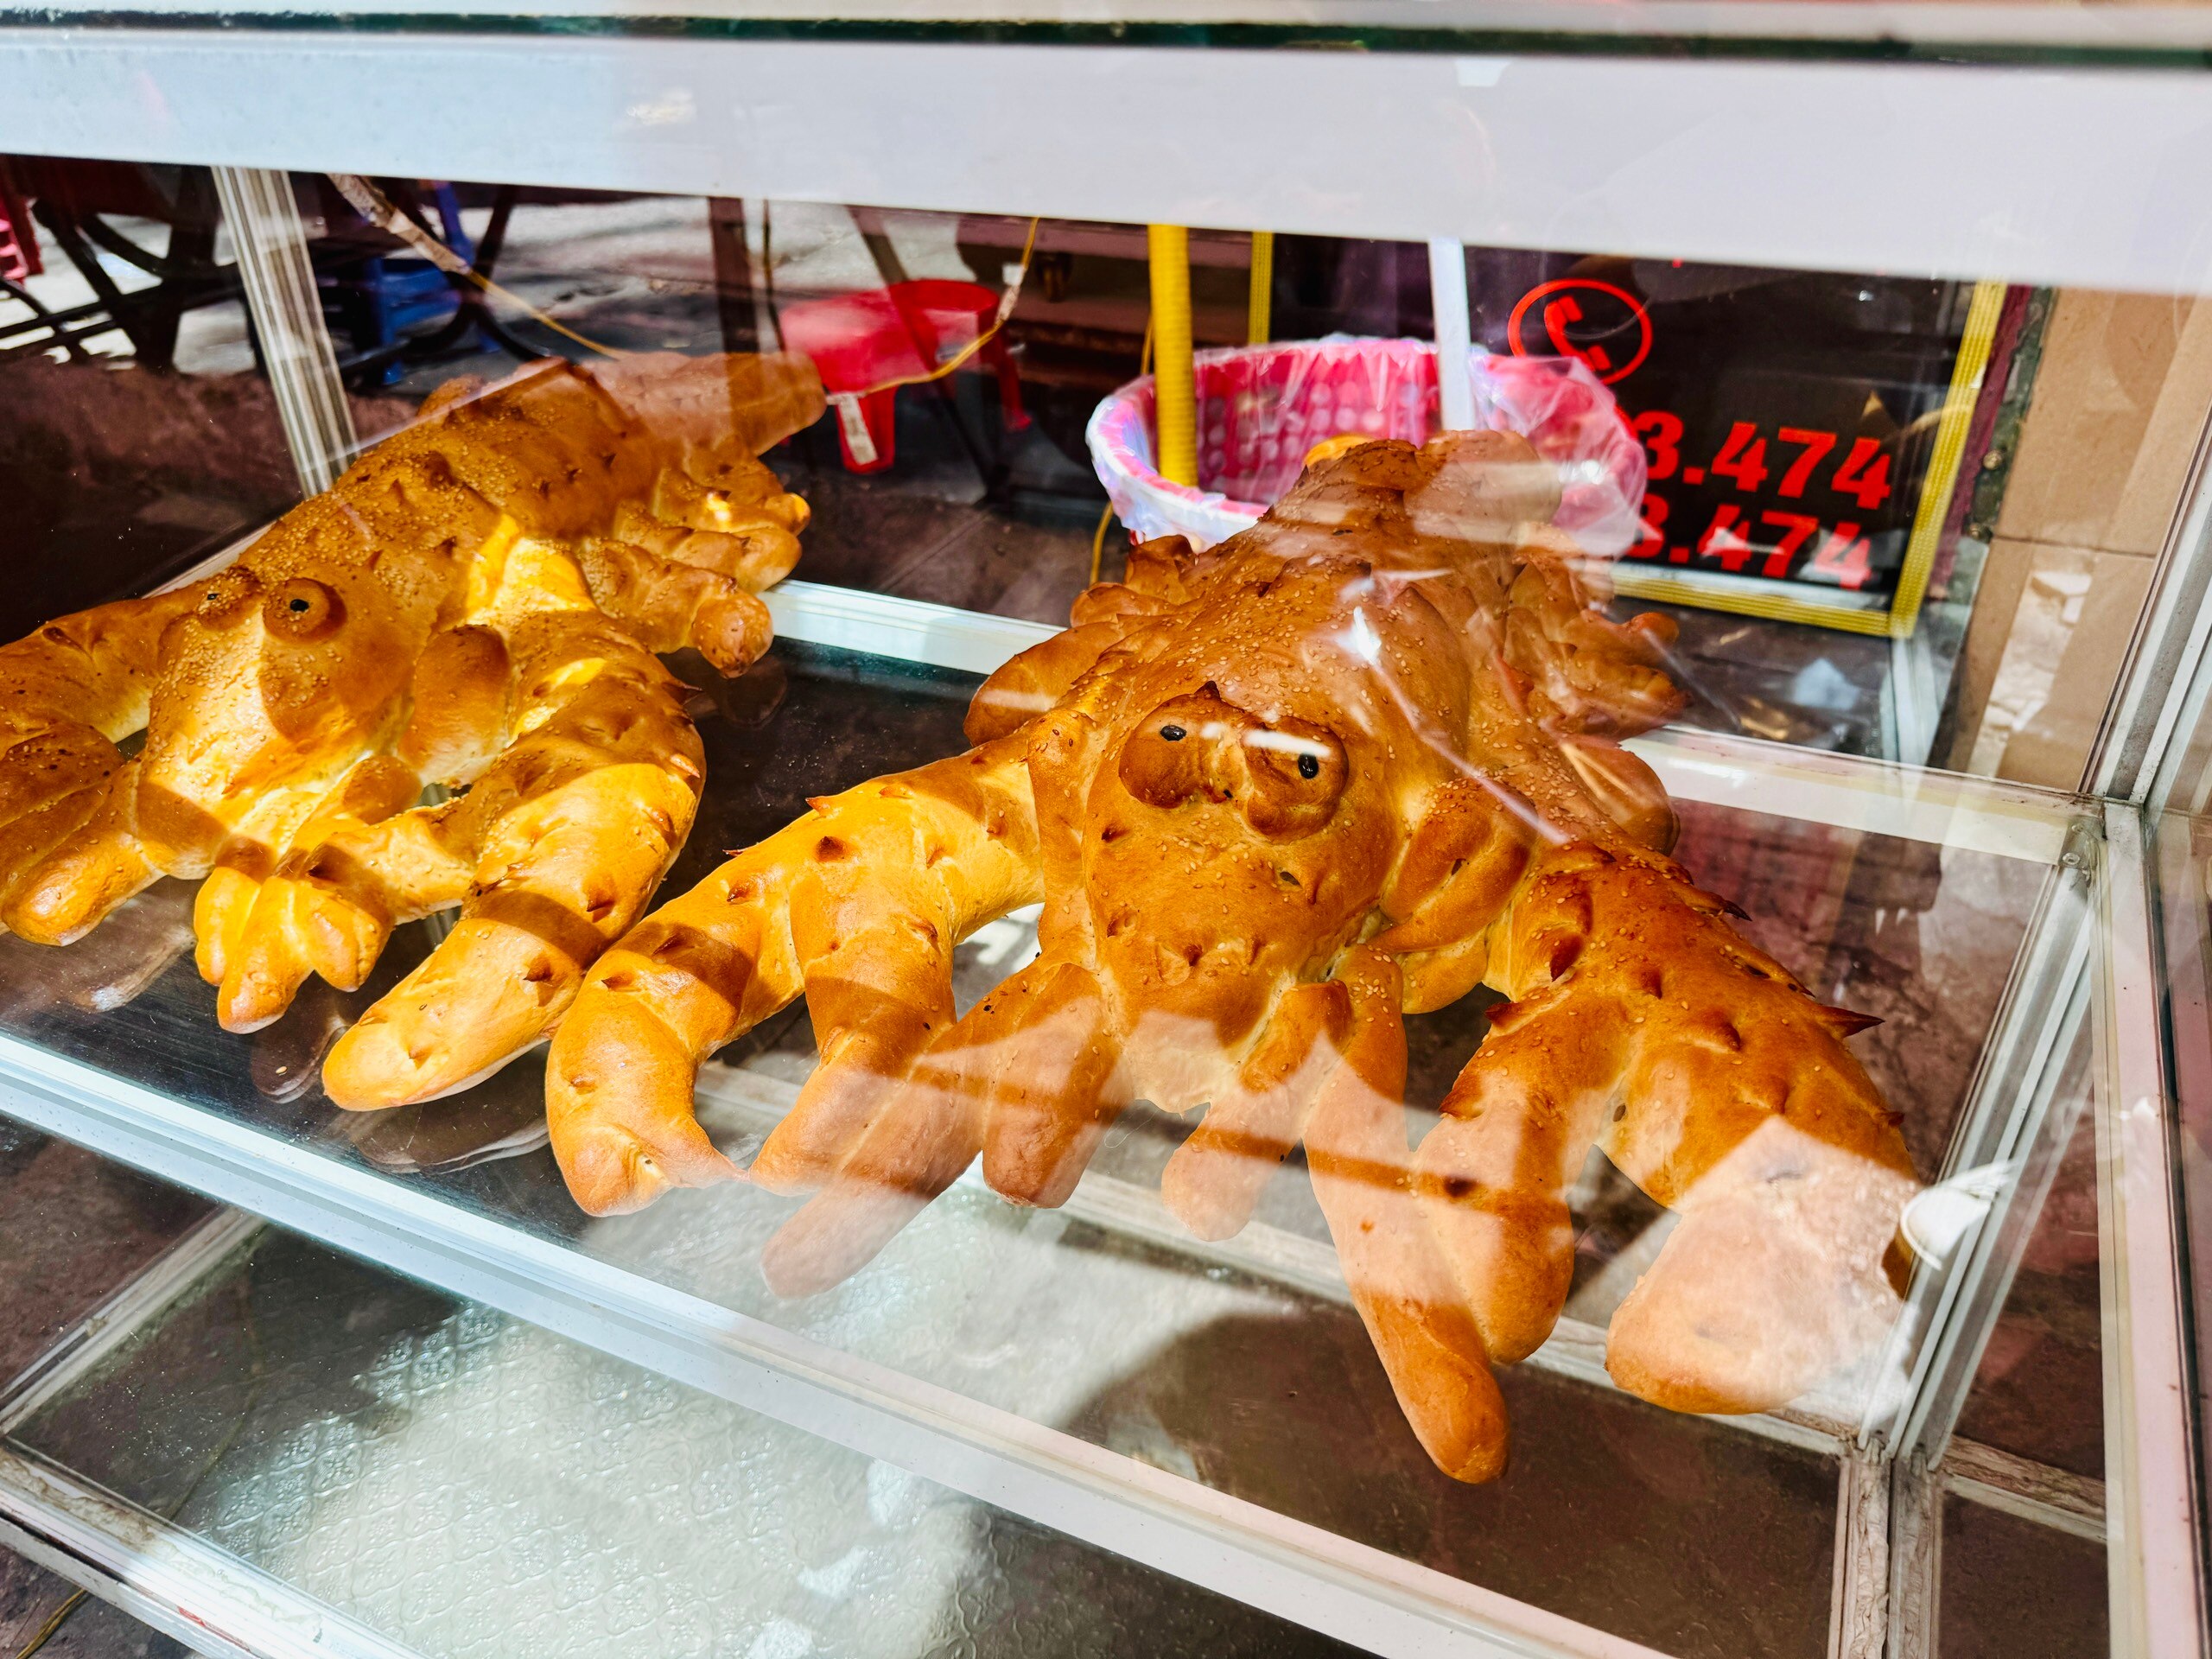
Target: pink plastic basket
pixel 1261 408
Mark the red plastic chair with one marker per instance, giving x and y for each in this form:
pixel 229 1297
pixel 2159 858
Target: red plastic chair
pixel 859 342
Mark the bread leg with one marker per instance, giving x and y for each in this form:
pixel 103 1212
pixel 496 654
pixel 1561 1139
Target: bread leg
pixel 669 604
pixel 1752 1120
pixel 1494 1173
pixel 1644 1024
pixel 915 1147
pixel 879 986
pixel 1362 1176
pixel 733 493
pixel 1027 684
pixel 570 830
pixel 1052 1092
pixel 858 904
pixel 755 557
pixel 98 866
pixel 263 957
pixel 67 693
pixel 365 871
pixel 1217 1176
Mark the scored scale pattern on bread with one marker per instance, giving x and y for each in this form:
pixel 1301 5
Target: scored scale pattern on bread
pixel 1273 797
pixel 475 604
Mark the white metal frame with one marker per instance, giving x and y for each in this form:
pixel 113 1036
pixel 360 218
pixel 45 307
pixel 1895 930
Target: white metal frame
pixel 2092 177
pixel 2150 1468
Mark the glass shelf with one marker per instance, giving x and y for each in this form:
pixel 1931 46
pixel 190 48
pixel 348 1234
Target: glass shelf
pixel 359 1464
pixel 1211 1411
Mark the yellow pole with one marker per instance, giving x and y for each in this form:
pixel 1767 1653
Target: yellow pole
pixel 1178 417
pixel 1259 312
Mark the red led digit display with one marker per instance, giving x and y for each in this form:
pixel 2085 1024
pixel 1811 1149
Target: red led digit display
pixel 1814 449
pixel 1778 544
pixel 1787 417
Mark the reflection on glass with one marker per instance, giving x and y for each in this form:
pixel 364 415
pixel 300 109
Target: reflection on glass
pixel 469 1486
pixel 1313 841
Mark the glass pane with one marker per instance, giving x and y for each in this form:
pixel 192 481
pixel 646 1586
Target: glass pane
pixel 137 436
pixel 1215 1371
pixel 470 1485
pixel 73 1229
pixel 1687 1021
pixel 2012 1588
pixel 2038 1392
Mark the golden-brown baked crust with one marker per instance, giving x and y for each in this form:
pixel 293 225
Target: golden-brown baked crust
pixel 444 614
pixel 1348 764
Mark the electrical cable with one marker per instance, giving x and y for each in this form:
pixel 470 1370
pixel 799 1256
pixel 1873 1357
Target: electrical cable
pixel 1106 517
pixel 1007 301
pixel 379 210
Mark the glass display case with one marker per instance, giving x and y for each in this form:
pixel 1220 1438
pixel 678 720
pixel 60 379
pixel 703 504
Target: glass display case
pixel 1630 581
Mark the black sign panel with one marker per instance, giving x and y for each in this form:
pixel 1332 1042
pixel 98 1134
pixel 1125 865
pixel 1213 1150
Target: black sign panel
pixel 1788 417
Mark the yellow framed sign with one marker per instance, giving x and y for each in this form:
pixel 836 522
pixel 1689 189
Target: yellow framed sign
pixel 1804 430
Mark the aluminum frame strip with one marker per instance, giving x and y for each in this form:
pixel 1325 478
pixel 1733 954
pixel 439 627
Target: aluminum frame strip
pixel 1858 1611
pixel 2152 1508
pixel 1299 1572
pixel 914 630
pixel 1981 814
pixel 1915 1559
pixel 287 310
pixel 165 1576
pixel 1997 1480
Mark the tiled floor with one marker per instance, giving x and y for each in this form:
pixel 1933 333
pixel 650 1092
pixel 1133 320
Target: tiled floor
pixel 73 1229
pixel 29 1599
